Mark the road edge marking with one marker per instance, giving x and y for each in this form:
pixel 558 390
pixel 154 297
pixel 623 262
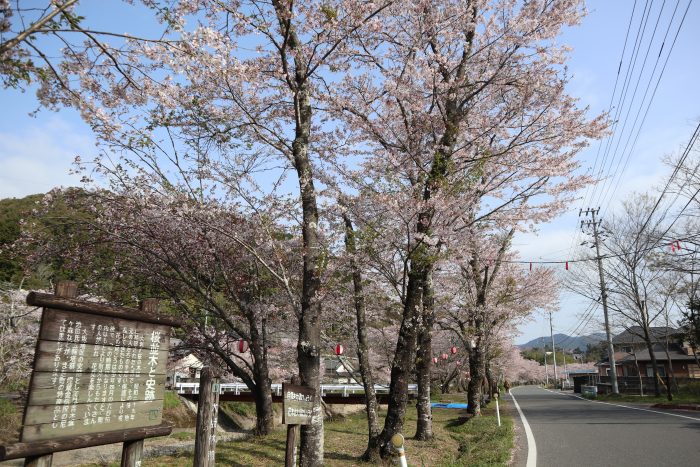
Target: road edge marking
pixel 628 407
pixel 531 446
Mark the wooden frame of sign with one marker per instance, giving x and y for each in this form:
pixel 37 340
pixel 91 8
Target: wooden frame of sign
pixel 99 378
pixel 298 403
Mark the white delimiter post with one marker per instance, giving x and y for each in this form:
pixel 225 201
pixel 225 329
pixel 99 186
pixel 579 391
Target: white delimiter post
pixel 498 410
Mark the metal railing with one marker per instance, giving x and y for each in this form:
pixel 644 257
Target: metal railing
pixel 344 389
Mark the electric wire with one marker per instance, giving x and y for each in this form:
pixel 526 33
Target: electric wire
pixel 648 107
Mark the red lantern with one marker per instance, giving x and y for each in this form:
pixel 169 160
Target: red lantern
pixel 453 350
pixel 339 349
pixel 435 360
pixel 444 356
pixel 242 346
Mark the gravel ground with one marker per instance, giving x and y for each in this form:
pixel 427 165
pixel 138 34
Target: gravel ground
pixel 112 452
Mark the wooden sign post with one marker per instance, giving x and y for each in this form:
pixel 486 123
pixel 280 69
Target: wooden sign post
pixel 99 375
pixel 207 415
pixel 298 404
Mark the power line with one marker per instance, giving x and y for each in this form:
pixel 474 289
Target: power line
pixel 641 106
pixel 583 260
pixel 612 96
pixel 576 237
pixel 632 65
pixel 648 107
pixel 676 169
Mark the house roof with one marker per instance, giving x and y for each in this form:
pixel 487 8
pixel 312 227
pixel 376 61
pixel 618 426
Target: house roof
pixel 643 355
pixel 340 364
pixel 618 357
pixel 190 361
pixel 632 335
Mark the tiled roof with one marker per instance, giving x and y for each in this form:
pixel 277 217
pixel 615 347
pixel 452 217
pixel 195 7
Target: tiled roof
pixel 674 352
pixel 633 335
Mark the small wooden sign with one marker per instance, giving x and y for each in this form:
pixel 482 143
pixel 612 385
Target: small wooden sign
pixel 96 369
pixel 297 404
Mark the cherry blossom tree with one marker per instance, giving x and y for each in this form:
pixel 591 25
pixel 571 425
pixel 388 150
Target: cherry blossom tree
pixel 219 286
pixel 465 108
pixel 492 294
pixel 19 325
pixel 224 109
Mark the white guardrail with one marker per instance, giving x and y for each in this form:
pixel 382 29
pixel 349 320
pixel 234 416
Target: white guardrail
pixel 344 389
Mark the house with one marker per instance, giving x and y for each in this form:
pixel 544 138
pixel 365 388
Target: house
pixel 341 370
pixel 632 356
pixel 184 370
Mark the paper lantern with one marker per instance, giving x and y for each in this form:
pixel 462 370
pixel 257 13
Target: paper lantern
pixel 242 346
pixel 339 349
pixel 453 350
pixel 444 356
pixel 435 360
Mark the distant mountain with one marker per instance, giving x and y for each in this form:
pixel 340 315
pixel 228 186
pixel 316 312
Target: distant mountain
pixel 565 342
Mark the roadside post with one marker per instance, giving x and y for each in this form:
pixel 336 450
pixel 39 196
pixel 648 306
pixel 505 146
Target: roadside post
pixel 207 414
pixel 397 441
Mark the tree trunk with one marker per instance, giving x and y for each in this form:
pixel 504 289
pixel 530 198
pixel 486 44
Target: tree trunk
pixel 424 424
pixel 371 454
pixel 654 364
pixel 402 365
pixel 309 344
pixel 492 383
pixel 670 370
pixel 445 388
pixel 476 370
pixel 265 417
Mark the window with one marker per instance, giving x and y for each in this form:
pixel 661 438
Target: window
pixel 693 371
pixel 650 370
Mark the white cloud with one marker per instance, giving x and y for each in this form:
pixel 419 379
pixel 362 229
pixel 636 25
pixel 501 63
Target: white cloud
pixel 39 157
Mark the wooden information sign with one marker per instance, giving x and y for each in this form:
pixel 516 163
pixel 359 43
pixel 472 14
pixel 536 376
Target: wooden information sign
pixel 297 404
pixel 98 371
pixel 95 373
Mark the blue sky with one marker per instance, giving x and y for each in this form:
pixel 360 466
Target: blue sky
pixel 36 151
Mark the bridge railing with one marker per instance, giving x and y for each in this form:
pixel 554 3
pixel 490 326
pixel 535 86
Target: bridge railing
pixel 344 389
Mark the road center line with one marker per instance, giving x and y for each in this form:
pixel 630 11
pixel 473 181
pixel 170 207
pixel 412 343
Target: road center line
pixel 531 446
pixel 627 406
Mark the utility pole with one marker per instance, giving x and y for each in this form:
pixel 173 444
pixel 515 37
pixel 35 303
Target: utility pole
pixel 603 293
pixel 554 350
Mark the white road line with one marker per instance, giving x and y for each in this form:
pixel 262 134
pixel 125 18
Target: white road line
pixel 531 446
pixel 627 406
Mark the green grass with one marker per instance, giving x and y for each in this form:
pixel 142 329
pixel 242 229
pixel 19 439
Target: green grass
pixel 170 400
pixel 183 435
pixel 481 441
pixel 7 408
pixel 458 441
pixel 686 394
pixel 10 421
pixel 244 409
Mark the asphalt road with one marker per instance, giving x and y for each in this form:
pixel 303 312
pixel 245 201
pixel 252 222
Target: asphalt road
pixel 572 432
